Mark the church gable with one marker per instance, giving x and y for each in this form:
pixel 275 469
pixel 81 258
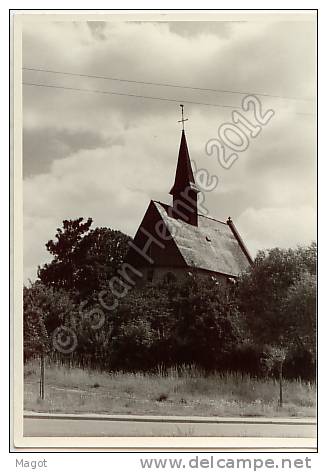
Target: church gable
pixel 153 244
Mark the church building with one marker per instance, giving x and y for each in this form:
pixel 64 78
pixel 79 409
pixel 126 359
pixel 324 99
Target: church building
pixel 174 241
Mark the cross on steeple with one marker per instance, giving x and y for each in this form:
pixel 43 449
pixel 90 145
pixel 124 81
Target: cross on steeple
pixel 183 119
pixel 184 190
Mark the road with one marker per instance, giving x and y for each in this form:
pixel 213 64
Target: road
pixel 113 426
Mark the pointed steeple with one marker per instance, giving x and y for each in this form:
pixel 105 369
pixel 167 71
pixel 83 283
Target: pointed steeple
pixel 184 190
pixel 184 174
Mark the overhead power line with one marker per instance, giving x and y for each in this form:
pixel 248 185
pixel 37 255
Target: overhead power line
pixel 159 84
pixel 106 92
pixel 129 95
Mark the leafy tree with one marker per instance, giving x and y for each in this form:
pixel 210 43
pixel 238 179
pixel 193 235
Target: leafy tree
pixel 142 329
pixel 45 309
pixel 176 323
pixel 61 271
pixel 208 323
pixel 300 310
pixel 84 260
pixel 101 253
pixel 274 358
pixel 35 334
pixel 149 328
pixel 263 290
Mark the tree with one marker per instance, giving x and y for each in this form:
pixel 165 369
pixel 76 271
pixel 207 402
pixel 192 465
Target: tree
pixel 45 309
pixel 300 310
pixel 142 329
pixel 274 358
pixel 84 260
pixel 101 253
pixel 208 324
pixel 35 334
pixel 193 322
pixel 263 290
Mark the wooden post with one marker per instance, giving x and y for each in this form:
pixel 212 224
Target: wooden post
pixel 281 384
pixel 42 377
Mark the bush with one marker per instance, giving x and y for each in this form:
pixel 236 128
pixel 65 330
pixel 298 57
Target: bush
pixel 198 322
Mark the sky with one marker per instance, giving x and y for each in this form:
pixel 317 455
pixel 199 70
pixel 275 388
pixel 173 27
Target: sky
pixel 106 156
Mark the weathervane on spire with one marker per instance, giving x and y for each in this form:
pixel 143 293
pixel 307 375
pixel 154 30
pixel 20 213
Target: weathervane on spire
pixel 183 119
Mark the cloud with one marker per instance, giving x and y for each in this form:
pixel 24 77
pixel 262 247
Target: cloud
pixel 41 149
pixel 276 227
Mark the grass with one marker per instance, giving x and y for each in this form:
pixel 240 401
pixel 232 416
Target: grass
pixel 190 393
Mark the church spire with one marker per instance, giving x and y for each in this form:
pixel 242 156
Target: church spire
pixel 184 190
pixel 184 174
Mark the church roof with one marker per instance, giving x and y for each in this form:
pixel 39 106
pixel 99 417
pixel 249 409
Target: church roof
pixel 212 245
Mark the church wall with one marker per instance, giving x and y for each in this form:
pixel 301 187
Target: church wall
pixel 159 274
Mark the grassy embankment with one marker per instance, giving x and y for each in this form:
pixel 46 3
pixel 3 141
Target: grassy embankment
pixel 189 393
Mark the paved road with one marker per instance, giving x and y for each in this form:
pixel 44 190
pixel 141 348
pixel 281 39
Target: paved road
pixel 79 426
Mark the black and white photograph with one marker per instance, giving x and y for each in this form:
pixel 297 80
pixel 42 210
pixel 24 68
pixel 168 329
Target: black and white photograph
pixel 168 186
